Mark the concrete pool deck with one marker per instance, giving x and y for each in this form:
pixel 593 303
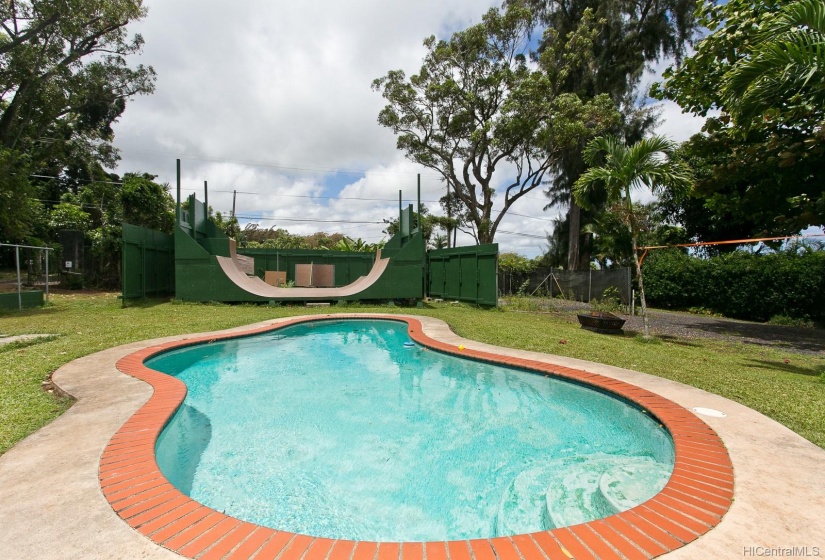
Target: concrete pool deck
pixel 52 506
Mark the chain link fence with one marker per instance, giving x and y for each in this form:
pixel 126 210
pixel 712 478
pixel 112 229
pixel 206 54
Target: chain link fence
pixel 26 273
pixel 578 285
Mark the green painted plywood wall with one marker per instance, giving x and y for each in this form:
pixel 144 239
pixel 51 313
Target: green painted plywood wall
pixel 148 263
pixel 464 274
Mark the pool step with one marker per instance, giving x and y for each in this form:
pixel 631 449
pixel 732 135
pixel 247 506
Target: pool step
pixel 575 490
pixel 631 483
pixel 523 508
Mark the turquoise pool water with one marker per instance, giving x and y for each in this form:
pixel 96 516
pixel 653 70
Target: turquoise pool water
pixel 337 429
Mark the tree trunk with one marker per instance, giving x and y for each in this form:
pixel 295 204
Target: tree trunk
pixel 10 114
pixel 574 215
pixel 643 302
pixel 633 237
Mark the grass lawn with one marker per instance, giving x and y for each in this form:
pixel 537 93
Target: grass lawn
pixel 758 377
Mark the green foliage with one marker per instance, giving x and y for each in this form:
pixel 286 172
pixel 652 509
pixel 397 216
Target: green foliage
pixel 254 237
pixel 785 321
pixel 621 37
pixel 784 73
pixel 760 162
pixel 69 216
pixel 146 203
pixel 228 225
pixel 743 189
pixel 63 78
pixel 476 105
pixel 610 302
pixel 740 285
pixel 65 71
pixel 617 169
pixel 513 263
pixel 18 209
pixel 349 245
pixel 595 47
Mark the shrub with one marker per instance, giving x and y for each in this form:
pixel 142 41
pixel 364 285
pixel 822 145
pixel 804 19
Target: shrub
pixel 741 285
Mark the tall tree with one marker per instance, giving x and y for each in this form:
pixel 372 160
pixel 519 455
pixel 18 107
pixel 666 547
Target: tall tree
pixel 64 80
pixel 476 107
pixel 618 169
pixel 623 36
pixel 763 66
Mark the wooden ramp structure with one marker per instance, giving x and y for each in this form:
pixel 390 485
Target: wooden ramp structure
pixel 200 263
pixel 209 267
pixel 254 285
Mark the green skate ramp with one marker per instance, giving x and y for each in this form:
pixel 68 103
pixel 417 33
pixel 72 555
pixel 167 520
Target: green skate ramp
pixel 206 268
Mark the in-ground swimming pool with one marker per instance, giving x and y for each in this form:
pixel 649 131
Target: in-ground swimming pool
pixel 339 429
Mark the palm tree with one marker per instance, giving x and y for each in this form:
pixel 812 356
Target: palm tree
pixel 786 65
pixel 618 169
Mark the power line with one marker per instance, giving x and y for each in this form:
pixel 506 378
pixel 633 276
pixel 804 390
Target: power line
pixel 277 165
pixel 273 218
pixel 305 220
pixel 321 197
pixel 522 234
pixel 78 180
pixel 309 196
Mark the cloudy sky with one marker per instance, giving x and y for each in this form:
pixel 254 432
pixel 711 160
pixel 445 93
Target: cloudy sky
pixel 273 99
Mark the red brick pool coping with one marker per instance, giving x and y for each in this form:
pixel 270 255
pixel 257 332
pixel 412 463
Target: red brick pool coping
pixel 697 495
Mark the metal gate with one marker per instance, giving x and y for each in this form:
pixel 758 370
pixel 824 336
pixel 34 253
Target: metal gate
pixel 148 263
pixel 464 274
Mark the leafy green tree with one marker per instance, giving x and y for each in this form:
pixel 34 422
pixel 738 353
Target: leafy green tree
pixel 440 241
pixel 476 107
pixel 742 189
pixel 64 61
pixel 18 208
pixel 351 245
pixel 514 263
pixel 609 42
pixel 761 160
pixel 618 169
pixel 785 70
pixel 612 242
pixel 67 215
pixel 146 203
pixel 64 80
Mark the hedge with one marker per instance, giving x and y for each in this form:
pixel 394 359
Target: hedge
pixel 740 285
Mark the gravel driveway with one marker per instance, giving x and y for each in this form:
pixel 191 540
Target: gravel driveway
pixel 685 325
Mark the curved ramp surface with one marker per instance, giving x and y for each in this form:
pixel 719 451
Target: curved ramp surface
pixel 258 287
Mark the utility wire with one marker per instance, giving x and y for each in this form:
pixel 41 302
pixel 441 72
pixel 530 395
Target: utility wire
pixel 277 165
pixel 308 220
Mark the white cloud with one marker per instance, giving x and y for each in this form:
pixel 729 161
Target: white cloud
pixel 270 99
pixel 677 125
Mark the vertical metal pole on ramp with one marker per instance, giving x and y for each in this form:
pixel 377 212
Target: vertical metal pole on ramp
pixel 47 275
pixel 177 204
pixel 19 285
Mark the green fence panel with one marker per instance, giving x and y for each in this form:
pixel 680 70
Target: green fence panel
pixel 465 274
pixel 349 266
pixel 148 263
pixel 28 299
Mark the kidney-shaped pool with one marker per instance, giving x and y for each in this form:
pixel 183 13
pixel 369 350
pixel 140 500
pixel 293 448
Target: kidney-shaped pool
pixel 347 429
